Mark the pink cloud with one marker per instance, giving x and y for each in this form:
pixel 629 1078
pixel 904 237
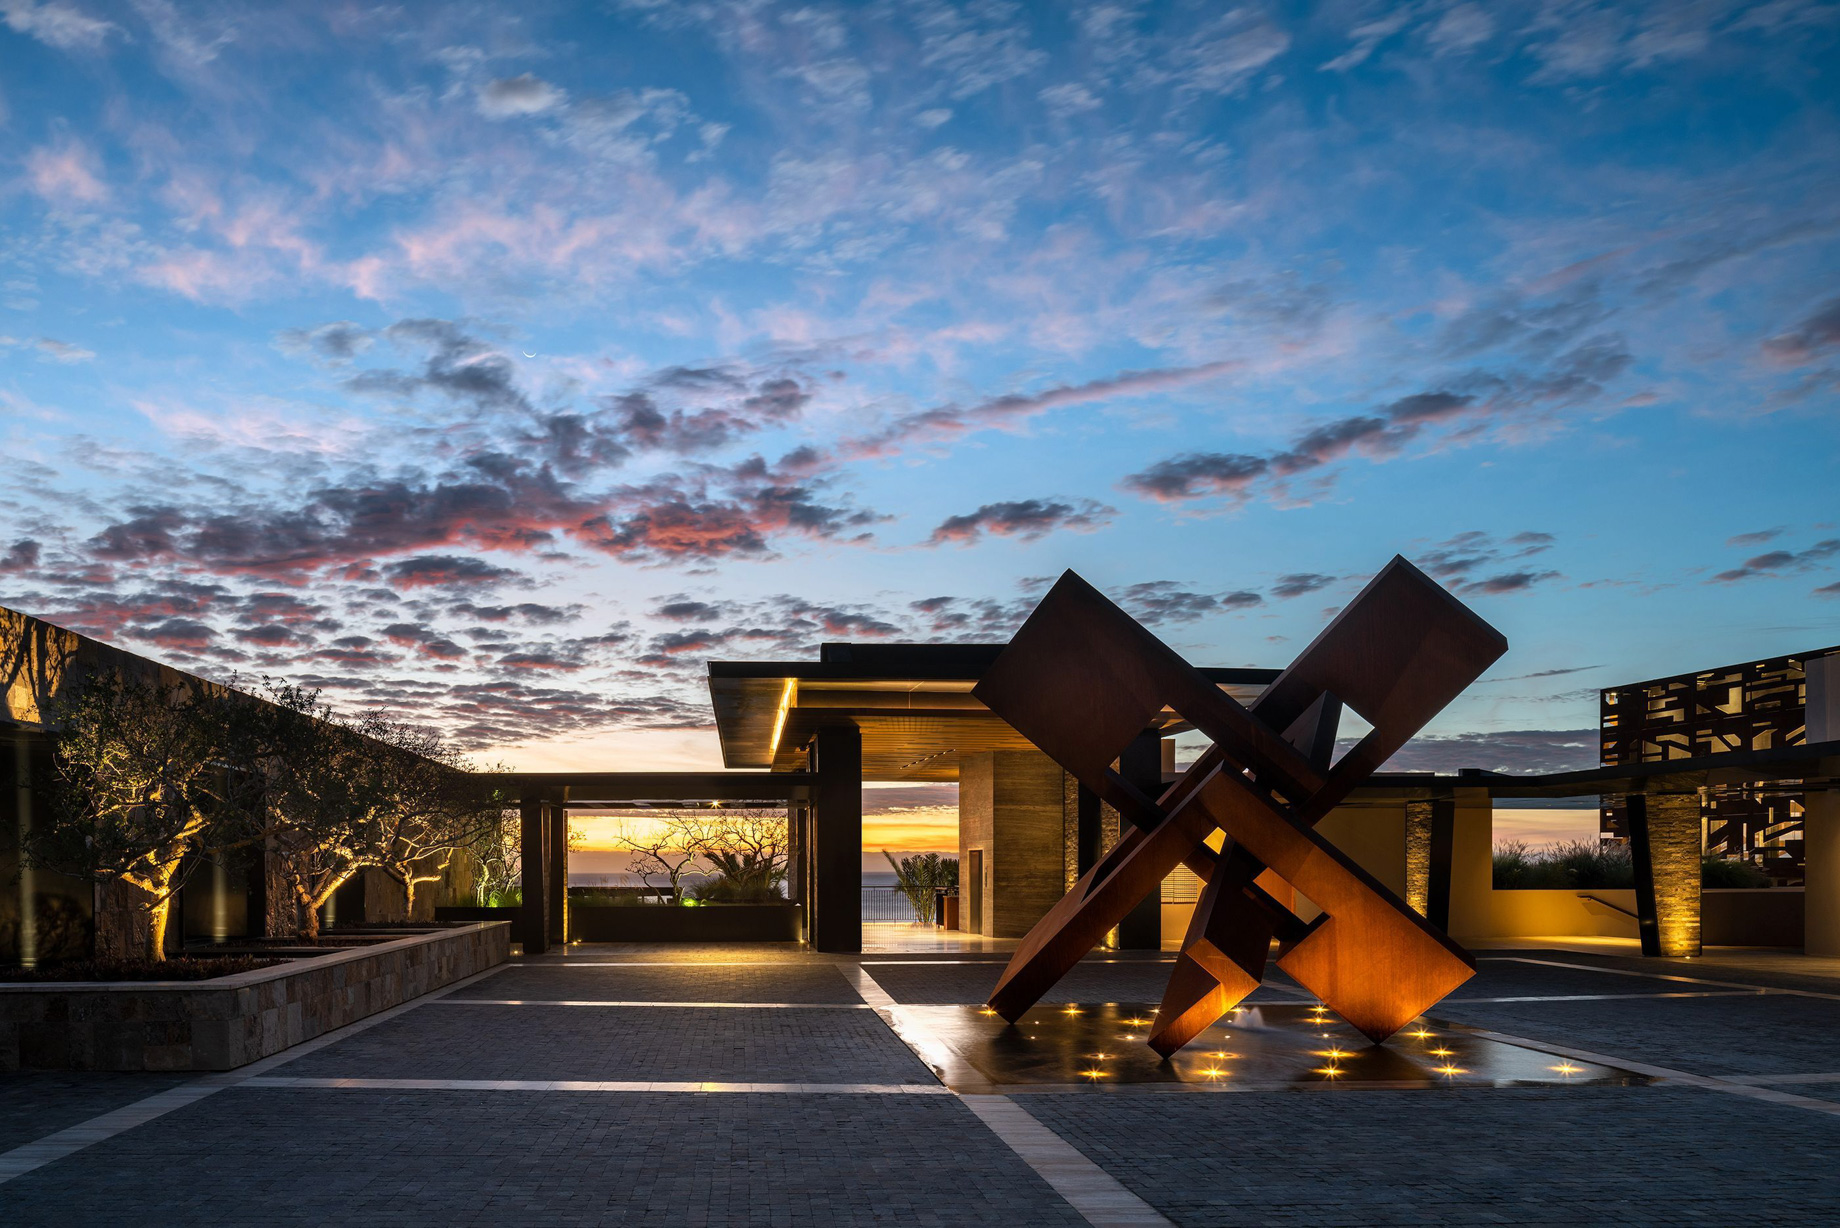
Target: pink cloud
pixel 66 174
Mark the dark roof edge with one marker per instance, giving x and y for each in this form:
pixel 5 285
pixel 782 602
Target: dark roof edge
pixel 1820 759
pixel 1811 655
pixel 819 671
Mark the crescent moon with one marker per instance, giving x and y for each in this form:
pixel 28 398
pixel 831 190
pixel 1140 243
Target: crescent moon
pixel 528 354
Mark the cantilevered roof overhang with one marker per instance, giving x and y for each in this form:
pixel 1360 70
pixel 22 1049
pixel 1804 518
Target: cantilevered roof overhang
pixel 912 702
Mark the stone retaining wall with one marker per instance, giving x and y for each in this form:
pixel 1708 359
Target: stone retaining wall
pixel 231 1021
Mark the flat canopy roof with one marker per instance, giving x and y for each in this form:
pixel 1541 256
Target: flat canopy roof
pixel 1810 766
pixel 913 703
pixel 621 790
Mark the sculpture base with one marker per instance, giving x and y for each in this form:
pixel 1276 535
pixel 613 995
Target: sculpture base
pixel 1262 1046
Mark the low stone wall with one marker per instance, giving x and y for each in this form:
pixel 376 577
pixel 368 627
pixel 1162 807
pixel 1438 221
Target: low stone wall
pixel 231 1021
pixel 663 923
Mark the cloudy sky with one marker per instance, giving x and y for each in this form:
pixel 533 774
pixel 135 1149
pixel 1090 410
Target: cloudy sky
pixel 503 363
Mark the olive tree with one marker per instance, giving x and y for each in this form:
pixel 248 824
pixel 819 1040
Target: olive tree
pixel 432 806
pixel 499 859
pixel 149 782
pixel 325 789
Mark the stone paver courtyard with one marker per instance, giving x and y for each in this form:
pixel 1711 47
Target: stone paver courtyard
pixel 681 1085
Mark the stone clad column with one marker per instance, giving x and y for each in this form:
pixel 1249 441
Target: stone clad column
pixel 1430 829
pixel 1418 857
pixel 1665 845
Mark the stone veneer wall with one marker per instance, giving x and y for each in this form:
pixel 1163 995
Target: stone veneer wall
pixel 234 1020
pixel 1674 844
pixel 1418 857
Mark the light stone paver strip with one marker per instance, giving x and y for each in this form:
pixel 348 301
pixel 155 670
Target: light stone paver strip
pixel 465 1110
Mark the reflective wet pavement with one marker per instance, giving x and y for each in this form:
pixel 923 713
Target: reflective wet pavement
pixel 1266 1047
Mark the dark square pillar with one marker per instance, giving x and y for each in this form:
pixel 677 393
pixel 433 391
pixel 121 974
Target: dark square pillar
pixel 1142 766
pixel 558 871
pixel 795 852
pixel 1090 829
pixel 533 928
pixel 1443 840
pixel 834 893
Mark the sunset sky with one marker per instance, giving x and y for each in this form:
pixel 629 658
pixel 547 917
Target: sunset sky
pixel 502 364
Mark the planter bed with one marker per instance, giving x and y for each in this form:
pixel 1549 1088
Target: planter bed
pixel 230 1021
pixel 674 923
pixel 175 968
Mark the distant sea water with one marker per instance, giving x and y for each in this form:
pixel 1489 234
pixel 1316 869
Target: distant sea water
pixel 578 878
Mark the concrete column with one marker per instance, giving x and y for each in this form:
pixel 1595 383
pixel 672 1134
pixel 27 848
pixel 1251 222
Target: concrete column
pixel 558 871
pixel 1471 880
pixel 1010 806
pixel 533 929
pixel 836 840
pixel 1821 850
pixel 1665 844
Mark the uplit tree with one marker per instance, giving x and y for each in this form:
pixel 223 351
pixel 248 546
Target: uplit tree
pixel 326 787
pixel 747 848
pixel 499 859
pixel 431 806
pixel 665 844
pixel 149 786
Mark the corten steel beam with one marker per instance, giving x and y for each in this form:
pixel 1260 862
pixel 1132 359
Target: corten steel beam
pixel 1223 954
pixel 1081 678
pixel 534 834
pixel 836 840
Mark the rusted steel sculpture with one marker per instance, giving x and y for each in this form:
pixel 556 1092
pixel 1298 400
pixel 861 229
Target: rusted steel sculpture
pixel 1081 679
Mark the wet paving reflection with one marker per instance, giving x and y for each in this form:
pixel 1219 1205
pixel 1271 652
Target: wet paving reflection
pixel 1258 1047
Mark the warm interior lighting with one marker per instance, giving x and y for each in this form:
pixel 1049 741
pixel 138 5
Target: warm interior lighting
pixel 1440 1053
pixel 1327 1070
pixel 1421 1034
pixel 786 695
pixel 1094 1074
pixel 1213 1072
pixel 1566 1068
pixel 1447 1071
pixel 1071 1010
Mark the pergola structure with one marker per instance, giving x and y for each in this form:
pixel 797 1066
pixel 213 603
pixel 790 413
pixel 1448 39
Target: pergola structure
pixel 545 799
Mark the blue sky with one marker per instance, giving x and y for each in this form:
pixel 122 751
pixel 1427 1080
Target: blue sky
pixel 504 363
